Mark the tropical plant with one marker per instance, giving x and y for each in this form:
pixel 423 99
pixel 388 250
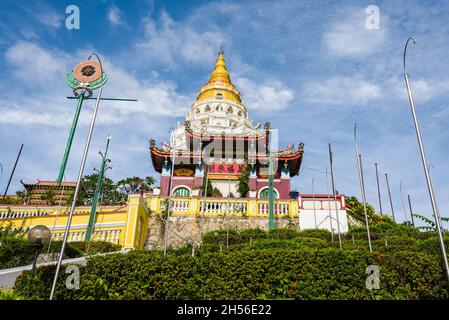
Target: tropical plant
pixel 430 224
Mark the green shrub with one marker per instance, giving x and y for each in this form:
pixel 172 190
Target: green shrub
pixel 283 233
pixel 95 246
pixel 276 273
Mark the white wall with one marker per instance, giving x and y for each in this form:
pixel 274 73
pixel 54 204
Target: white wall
pixel 307 219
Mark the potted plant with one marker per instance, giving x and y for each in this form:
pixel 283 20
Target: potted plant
pixel 195 191
pixel 252 193
pixel 156 191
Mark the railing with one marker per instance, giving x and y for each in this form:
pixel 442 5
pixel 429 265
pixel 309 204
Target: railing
pixel 223 207
pixel 22 214
pixel 226 206
pixel 279 208
pixel 101 235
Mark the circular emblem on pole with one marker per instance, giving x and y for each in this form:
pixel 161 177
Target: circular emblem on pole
pixel 87 71
pixel 86 77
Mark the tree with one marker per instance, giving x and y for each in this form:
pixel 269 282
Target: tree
pixel 208 188
pixel 132 185
pixel 243 187
pixel 355 209
pixel 87 190
pixel 23 195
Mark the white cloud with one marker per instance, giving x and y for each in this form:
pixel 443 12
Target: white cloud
pixel 168 41
pixel 114 16
pixel 271 95
pixel 350 37
pixel 49 18
pixel 341 90
pixel 35 65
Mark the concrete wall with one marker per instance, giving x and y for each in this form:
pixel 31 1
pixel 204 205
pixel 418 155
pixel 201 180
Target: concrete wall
pixel 187 228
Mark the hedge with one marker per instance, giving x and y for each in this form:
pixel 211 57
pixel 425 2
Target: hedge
pixel 300 273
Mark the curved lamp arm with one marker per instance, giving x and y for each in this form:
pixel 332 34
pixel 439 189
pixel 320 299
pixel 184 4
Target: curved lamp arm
pixel 405 51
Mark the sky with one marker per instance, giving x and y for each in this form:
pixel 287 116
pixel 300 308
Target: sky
pixel 310 68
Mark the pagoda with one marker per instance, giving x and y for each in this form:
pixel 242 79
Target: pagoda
pixel 219 140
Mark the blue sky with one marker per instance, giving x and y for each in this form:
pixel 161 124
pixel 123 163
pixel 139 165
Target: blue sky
pixel 311 68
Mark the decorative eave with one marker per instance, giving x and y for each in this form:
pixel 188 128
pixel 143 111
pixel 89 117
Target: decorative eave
pixel 45 184
pixel 293 159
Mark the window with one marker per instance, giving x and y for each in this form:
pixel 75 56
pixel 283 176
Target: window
pixel 181 192
pixel 197 110
pixel 207 109
pixel 219 96
pixel 240 113
pixel 230 110
pixel 219 108
pixel 264 194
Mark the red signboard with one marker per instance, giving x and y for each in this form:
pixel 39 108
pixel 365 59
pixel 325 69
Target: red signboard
pixel 224 168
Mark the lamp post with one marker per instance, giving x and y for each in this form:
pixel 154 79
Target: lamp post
pixel 102 78
pixel 38 236
pixel 93 211
pixel 424 163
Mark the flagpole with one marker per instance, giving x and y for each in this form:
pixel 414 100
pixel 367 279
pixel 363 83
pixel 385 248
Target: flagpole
pixel 329 201
pixel 335 195
pixel 389 197
pixel 167 221
pixel 362 185
pixel 411 211
pixel 378 190
pixel 424 163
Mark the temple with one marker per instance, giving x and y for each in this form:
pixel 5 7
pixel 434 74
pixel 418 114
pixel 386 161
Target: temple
pixel 219 140
pixel 216 166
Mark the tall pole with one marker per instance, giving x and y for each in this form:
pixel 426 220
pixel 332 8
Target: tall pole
pixel 411 211
pixel 362 182
pixel 335 195
pixel 270 188
pixel 329 201
pixel 378 189
pixel 70 139
pixel 78 183
pixel 401 188
pixel 98 188
pixel 314 210
pixel 172 173
pixel 362 185
pixel 12 172
pixel 389 197
pixel 425 166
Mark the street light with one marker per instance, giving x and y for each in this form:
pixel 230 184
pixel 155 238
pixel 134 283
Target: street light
pixel 424 162
pixel 38 236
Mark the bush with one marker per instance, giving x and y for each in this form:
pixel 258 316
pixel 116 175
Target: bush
pixel 300 273
pixel 95 246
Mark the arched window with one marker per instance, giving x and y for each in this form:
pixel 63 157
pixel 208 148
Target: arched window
pixel 207 109
pixel 219 96
pixel 264 194
pixel 181 192
pixel 230 110
pixel 240 113
pixel 197 110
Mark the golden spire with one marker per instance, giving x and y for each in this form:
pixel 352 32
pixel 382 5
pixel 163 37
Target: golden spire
pixel 220 71
pixel 219 83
